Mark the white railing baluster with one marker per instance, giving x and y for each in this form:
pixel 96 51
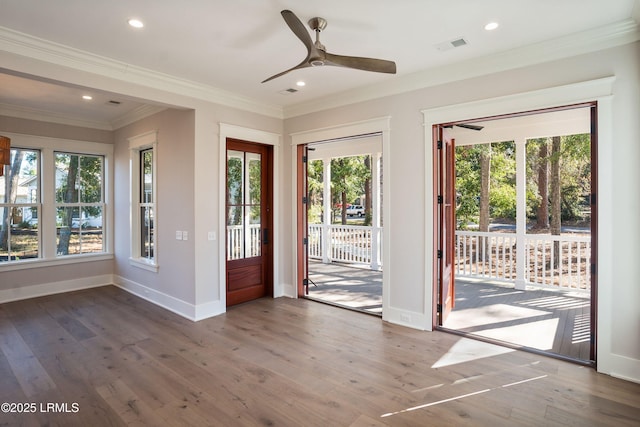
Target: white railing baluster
pixel 492 255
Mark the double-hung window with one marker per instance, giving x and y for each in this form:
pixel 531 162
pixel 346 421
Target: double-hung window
pixel 143 201
pixel 79 203
pixel 55 200
pixel 20 207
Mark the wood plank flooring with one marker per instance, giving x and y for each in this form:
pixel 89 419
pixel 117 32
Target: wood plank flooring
pixel 282 362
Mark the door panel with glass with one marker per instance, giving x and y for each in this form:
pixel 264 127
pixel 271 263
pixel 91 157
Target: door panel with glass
pixel 248 219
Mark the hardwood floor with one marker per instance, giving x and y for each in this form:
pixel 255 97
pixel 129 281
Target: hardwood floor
pixel 120 360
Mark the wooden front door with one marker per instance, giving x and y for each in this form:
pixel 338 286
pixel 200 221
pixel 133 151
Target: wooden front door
pixel 249 234
pixel 446 218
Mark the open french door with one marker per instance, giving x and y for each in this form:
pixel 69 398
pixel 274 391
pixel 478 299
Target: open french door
pixel 302 214
pixel 445 211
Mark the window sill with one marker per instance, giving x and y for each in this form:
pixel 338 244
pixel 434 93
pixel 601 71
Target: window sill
pixel 69 259
pixel 144 264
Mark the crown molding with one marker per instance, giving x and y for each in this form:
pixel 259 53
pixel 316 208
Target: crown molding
pixel 592 40
pixel 36 48
pixel 49 117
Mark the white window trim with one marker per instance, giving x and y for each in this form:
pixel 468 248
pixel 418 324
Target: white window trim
pixel 138 143
pixel 47 147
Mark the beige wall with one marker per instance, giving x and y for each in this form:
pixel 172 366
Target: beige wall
pixel 188 280
pixel 16 284
pixel 174 203
pixel 409 277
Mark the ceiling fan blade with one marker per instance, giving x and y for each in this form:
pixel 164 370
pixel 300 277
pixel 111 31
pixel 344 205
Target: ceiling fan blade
pixel 359 63
pixel 303 64
pixel 298 28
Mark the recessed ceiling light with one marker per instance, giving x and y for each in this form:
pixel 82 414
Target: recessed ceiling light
pixel 300 83
pixel 491 26
pixel 135 23
pixel 87 97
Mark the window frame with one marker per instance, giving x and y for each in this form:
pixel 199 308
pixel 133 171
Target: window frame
pixel 139 144
pixel 47 147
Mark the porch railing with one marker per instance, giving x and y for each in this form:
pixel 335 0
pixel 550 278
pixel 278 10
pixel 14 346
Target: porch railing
pixel 241 244
pixel 559 261
pixel 352 244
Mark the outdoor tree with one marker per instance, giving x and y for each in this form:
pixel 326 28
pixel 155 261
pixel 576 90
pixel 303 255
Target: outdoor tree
pixel 556 222
pixel 348 175
pixel 542 169
pixel 11 192
pixel 80 182
pixel 485 172
pixel 367 191
pixel 315 190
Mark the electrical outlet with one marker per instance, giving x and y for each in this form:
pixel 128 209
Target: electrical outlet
pixel 211 235
pixel 405 318
pixel 178 235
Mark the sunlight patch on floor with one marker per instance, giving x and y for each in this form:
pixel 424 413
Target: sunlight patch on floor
pixel 489 314
pixel 466 350
pixel 540 334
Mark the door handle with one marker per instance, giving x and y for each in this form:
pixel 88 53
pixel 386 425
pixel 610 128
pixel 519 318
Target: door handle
pixel 265 236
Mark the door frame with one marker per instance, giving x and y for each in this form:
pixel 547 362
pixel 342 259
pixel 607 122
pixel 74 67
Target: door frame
pixel 598 91
pixel 260 137
pixel 380 125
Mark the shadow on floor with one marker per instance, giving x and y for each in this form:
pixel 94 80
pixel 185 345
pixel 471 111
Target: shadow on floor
pixel 346 286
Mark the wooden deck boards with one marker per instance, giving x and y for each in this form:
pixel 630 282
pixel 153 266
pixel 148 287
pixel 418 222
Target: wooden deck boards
pixel 546 320
pixel 279 362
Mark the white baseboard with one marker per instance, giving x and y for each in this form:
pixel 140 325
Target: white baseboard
pixel 210 309
pixel 621 367
pixel 287 290
pixel 44 289
pixel 410 319
pixel 182 308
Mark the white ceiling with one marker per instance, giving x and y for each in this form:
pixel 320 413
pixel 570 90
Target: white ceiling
pixel 234 45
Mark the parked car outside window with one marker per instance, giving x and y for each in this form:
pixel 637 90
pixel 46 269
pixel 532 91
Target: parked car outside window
pixel 355 210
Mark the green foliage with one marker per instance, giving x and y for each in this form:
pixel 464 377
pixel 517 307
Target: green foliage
pixel 502 186
pixel 348 175
pixel 575 172
pixel 315 187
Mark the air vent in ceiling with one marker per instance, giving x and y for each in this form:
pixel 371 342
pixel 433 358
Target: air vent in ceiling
pixel 288 91
pixel 458 42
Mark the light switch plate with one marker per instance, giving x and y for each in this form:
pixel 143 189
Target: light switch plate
pixel 185 235
pixel 178 235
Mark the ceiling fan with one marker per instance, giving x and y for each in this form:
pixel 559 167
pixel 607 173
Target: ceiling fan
pixel 466 126
pixel 317 54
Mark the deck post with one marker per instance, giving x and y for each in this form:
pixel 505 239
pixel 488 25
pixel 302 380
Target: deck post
pixel 375 211
pixel 326 211
pixel 521 213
